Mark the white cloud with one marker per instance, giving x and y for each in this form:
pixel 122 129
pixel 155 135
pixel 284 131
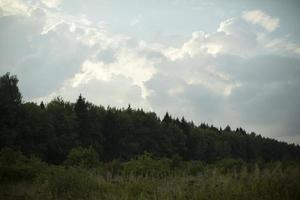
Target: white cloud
pixel 129 63
pixel 235 37
pixel 14 7
pixel 282 46
pixel 222 77
pixel 52 3
pixel 118 91
pixel 232 37
pixel 259 17
pixel 82 41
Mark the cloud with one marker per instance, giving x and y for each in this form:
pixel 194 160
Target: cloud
pixel 266 95
pixel 16 36
pixel 128 63
pixel 37 57
pixel 102 92
pixel 239 74
pixel 282 46
pixel 54 49
pixel 13 7
pixel 259 17
pixel 135 21
pixel 233 36
pixel 232 76
pixel 257 93
pixel 51 3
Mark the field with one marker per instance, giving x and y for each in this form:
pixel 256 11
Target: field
pixel 147 178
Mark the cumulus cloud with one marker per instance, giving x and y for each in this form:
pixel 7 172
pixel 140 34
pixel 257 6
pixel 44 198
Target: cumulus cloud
pixel 259 17
pixel 36 57
pixel 232 75
pixel 72 50
pixel 128 63
pixel 238 74
pixel 118 91
pixel 234 36
pixel 258 93
pixel 266 97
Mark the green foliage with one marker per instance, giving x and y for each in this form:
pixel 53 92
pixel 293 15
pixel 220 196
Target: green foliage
pixel 229 165
pixel 14 166
pixel 176 162
pixel 59 126
pixel 9 91
pixel 83 157
pixel 145 165
pixel 10 101
pixel 114 167
pixel 271 182
pixel 62 183
pixel 193 168
pixel 191 162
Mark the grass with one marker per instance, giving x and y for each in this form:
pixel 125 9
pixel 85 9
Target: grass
pixel 62 183
pixel 24 178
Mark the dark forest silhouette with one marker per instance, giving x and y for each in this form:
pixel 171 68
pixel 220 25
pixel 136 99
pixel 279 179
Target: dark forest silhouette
pixel 51 130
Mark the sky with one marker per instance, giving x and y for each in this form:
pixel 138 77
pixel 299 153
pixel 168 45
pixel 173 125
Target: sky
pixel 233 62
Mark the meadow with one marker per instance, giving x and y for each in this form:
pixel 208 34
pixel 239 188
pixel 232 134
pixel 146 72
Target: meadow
pixel 147 178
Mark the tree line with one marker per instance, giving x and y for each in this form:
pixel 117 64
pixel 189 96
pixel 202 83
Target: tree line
pixel 50 131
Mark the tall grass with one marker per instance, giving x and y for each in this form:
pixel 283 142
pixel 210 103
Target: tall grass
pixel 227 179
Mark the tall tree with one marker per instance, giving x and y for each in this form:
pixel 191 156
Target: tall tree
pixel 10 101
pixel 81 120
pixel 50 131
pixel 88 125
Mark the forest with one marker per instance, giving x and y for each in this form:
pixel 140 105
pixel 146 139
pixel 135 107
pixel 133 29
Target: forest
pixel 79 150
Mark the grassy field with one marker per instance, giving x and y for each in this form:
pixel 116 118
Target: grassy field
pixel 29 178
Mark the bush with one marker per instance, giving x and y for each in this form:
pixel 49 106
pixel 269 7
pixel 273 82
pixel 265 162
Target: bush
pixel 83 157
pixel 229 165
pixel 67 183
pixel 193 168
pixel 114 168
pixel 146 165
pixel 14 166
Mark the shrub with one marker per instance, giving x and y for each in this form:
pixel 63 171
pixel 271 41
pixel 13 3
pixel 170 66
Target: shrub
pixel 229 165
pixel 14 166
pixel 146 165
pixel 115 167
pixel 83 157
pixel 67 183
pixel 193 168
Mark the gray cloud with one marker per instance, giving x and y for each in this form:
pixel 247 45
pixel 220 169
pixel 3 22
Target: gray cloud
pixel 107 56
pixel 239 74
pixel 268 91
pixel 106 93
pixel 44 59
pixel 263 98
